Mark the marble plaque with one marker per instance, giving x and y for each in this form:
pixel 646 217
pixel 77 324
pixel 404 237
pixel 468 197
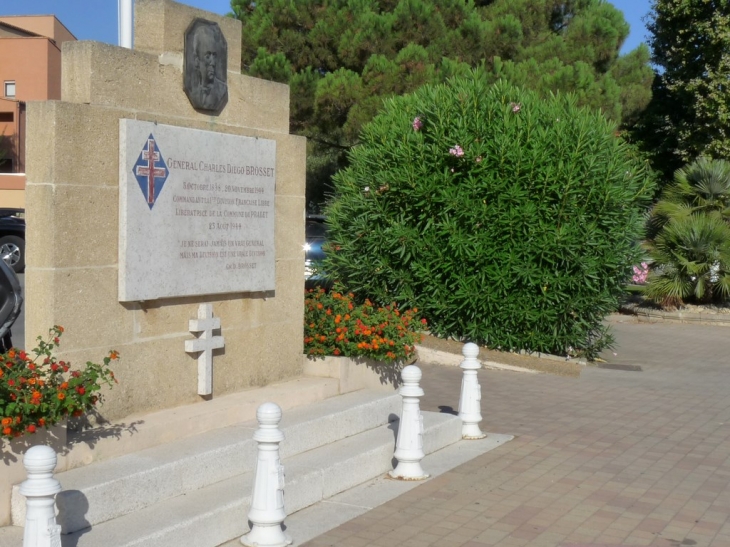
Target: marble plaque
pixel 196 212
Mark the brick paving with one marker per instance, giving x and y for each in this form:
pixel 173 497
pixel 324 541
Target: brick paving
pixel 610 459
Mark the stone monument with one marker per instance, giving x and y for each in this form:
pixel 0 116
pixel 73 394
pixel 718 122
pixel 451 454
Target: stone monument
pixel 165 182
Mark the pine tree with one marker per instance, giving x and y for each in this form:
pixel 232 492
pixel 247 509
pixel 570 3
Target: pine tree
pixel 341 58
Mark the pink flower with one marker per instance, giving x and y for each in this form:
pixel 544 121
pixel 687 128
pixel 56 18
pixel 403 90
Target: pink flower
pixel 640 273
pixel 515 107
pixel 456 151
pixel 417 123
pixel 478 159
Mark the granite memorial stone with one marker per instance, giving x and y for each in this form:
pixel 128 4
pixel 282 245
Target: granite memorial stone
pixel 196 212
pixel 205 70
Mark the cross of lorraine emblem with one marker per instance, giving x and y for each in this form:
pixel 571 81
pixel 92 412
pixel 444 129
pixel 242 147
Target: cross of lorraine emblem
pixel 150 171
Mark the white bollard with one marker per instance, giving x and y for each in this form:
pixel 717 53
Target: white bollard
pixel 470 404
pixel 40 491
pixel 409 444
pixel 267 512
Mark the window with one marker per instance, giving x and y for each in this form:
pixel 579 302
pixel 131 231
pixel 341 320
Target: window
pixel 6 117
pixel 6 166
pixel 10 89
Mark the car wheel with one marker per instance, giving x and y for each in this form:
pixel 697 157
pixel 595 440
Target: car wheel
pixel 12 251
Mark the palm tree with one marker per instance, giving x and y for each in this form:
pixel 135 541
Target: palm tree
pixel 689 237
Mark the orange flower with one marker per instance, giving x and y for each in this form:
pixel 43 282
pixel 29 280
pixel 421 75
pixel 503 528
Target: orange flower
pixel 31 428
pixel 32 381
pixel 61 395
pixel 60 328
pixel 11 354
pixel 6 421
pixel 64 385
pixel 42 422
pixel 319 306
pixel 7 431
pixel 37 395
pixel 113 355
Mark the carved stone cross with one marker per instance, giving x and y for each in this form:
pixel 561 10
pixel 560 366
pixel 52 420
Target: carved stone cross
pixel 205 344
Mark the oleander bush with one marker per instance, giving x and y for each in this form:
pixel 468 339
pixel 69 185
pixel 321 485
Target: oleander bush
pixel 335 324
pixel 505 218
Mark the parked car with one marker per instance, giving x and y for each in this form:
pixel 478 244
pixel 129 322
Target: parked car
pixel 12 238
pixel 11 303
pixel 315 237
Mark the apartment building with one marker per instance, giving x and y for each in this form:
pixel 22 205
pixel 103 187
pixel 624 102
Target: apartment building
pixel 30 70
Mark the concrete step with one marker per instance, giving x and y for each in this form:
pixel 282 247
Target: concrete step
pixel 109 489
pixel 325 515
pixel 217 513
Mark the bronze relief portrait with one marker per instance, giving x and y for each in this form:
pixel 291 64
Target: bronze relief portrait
pixel 205 66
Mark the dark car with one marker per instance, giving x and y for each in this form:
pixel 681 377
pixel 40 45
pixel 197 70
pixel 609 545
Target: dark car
pixel 11 302
pixel 315 237
pixel 12 238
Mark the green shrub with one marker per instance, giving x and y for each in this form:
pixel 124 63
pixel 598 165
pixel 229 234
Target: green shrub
pixel 334 324
pixel 507 219
pixel 689 237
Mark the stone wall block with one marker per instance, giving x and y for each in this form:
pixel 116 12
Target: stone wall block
pixel 165 316
pixel 135 80
pixel 41 215
pixel 39 304
pixel 291 165
pixel 73 144
pixel 152 374
pixel 39 141
pixel 85 304
pixel 94 216
pixel 289 302
pixel 160 24
pixel 289 228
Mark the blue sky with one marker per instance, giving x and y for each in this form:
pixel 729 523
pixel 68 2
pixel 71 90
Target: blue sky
pixel 97 19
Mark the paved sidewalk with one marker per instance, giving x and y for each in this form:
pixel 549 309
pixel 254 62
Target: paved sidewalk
pixel 613 458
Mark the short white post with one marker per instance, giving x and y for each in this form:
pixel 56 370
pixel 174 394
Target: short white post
pixel 470 404
pixel 267 512
pixel 409 444
pixel 40 491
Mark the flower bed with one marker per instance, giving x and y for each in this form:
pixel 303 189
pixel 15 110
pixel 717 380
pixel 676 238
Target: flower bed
pixel 40 391
pixel 335 325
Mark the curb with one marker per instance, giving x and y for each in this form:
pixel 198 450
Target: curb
pixel 650 315
pixel 436 357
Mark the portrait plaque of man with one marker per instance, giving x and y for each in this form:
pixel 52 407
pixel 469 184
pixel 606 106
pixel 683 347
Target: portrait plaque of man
pixel 205 68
